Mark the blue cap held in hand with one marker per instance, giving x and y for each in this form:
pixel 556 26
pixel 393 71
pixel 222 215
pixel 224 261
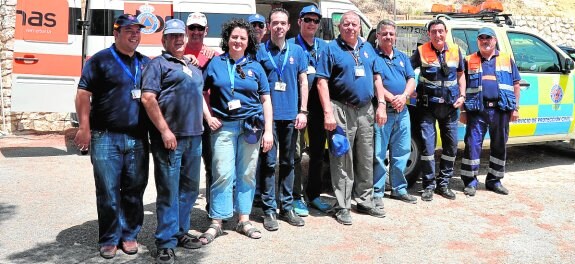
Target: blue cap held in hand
pixel 338 143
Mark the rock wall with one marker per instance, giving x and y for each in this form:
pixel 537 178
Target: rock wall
pixel 560 30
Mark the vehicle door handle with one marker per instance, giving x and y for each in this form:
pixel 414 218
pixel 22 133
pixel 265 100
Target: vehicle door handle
pixel 524 85
pixel 26 59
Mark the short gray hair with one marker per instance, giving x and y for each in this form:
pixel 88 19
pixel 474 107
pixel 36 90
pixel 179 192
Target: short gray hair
pixel 385 22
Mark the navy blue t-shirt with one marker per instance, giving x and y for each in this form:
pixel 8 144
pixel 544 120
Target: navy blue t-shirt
pixel 112 105
pixel 247 90
pixel 396 71
pixel 178 88
pixel 337 62
pixel 285 103
pixel 312 53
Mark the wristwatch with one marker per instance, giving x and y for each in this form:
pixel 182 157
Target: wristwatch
pixel 381 102
pixel 305 112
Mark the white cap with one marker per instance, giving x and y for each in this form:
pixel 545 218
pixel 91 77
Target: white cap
pixel 197 18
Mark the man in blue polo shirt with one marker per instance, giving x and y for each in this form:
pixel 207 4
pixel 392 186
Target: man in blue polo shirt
pixel 112 126
pixel 286 67
pixel 172 96
pixel 258 22
pixel 347 73
pixel 399 82
pixel 308 22
pixel 492 101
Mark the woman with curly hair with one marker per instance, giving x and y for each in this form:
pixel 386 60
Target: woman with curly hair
pixel 241 120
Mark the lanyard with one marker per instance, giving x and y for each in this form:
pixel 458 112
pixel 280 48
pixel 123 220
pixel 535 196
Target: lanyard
pixel 133 77
pixel 231 70
pixel 355 53
pixel 278 70
pixel 303 45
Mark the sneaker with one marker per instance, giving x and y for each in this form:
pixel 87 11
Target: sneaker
pixel 408 198
pixel 300 207
pixel 130 247
pixel 188 241
pixel 108 251
pixel 165 256
pixel 343 217
pixel 378 202
pixel 319 205
pixel 373 211
pixel 292 218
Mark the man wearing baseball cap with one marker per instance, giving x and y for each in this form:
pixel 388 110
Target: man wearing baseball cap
pixel 172 97
pixel 308 23
pixel 259 23
pixel 112 127
pixel 492 101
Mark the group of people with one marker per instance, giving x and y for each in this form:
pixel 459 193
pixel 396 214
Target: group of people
pixel 247 108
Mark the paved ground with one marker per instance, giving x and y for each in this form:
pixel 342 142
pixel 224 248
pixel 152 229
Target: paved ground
pixel 48 215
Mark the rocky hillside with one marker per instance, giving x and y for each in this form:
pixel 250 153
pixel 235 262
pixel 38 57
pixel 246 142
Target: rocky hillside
pixel 378 9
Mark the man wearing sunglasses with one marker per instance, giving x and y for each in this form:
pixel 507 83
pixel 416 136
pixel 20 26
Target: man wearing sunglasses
pixel 492 101
pixel 308 23
pixel 440 92
pixel 259 23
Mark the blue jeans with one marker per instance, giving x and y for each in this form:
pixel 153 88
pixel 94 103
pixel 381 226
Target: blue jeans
pixel 397 129
pixel 177 174
pixel 285 136
pixel 120 164
pixel 233 161
pixel 446 116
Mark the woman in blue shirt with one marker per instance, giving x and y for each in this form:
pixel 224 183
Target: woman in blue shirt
pixel 240 113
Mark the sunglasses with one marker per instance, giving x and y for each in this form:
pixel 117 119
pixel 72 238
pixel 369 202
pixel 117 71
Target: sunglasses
pixel 258 24
pixel 308 19
pixel 484 37
pixel 240 71
pixel 196 27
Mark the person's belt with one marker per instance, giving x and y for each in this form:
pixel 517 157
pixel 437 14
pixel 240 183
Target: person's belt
pixel 490 104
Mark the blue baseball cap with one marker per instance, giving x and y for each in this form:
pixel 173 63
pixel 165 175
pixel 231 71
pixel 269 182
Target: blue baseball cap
pixel 486 31
pixel 126 20
pixel 310 9
pixel 253 128
pixel 175 26
pixel 338 143
pixel 256 18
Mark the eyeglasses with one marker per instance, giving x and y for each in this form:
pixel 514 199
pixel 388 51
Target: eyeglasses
pixel 484 37
pixel 240 71
pixel 196 27
pixel 308 19
pixel 258 24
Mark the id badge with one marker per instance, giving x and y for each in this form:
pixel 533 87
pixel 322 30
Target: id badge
pixel 234 104
pixel 136 94
pixel 359 71
pixel 187 70
pixel 310 69
pixel 280 86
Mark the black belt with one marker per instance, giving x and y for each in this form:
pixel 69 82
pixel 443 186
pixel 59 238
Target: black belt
pixel 490 104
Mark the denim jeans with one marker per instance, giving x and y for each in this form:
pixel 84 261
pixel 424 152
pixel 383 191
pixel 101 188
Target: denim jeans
pixel 177 174
pixel 233 162
pixel 284 138
pixel 120 164
pixel 397 129
pixel 446 116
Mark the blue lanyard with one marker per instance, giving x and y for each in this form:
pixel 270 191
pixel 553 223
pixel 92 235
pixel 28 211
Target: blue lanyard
pixel 303 45
pixel 278 70
pixel 133 77
pixel 355 54
pixel 231 72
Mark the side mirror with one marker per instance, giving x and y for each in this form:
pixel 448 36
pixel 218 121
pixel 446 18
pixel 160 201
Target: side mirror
pixel 569 65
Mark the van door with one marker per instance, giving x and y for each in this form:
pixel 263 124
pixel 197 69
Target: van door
pixel 547 96
pixel 47 56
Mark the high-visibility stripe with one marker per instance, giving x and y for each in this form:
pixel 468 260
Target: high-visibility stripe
pixel 48 64
pixel 448 158
pixel 469 173
pixel 496 161
pixel 427 157
pixel 470 162
pixel 496 173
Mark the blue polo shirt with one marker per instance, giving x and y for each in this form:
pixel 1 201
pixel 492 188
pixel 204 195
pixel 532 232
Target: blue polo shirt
pixel 312 53
pixel 337 63
pixel 112 105
pixel 490 87
pixel 178 87
pixel 285 103
pixel 396 71
pixel 247 90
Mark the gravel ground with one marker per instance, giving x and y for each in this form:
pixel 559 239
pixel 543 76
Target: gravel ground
pixel 48 215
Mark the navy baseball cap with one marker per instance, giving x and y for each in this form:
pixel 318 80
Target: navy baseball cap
pixel 486 31
pixel 253 129
pixel 256 18
pixel 126 20
pixel 175 26
pixel 310 9
pixel 338 143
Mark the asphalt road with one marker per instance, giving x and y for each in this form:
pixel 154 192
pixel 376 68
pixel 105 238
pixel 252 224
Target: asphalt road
pixel 48 215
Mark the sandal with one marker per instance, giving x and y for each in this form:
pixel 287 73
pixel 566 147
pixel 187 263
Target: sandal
pixel 240 228
pixel 207 238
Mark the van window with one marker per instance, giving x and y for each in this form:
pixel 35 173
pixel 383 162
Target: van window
pixel 466 39
pixel 410 37
pixel 215 21
pixel 336 18
pixel 532 54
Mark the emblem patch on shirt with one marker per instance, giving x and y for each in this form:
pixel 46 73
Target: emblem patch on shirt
pixel 401 64
pixel 250 73
pixel 291 60
pixel 365 55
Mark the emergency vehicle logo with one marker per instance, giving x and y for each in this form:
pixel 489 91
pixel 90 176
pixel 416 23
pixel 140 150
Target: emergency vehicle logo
pixel 556 94
pixel 148 19
pixel 291 60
